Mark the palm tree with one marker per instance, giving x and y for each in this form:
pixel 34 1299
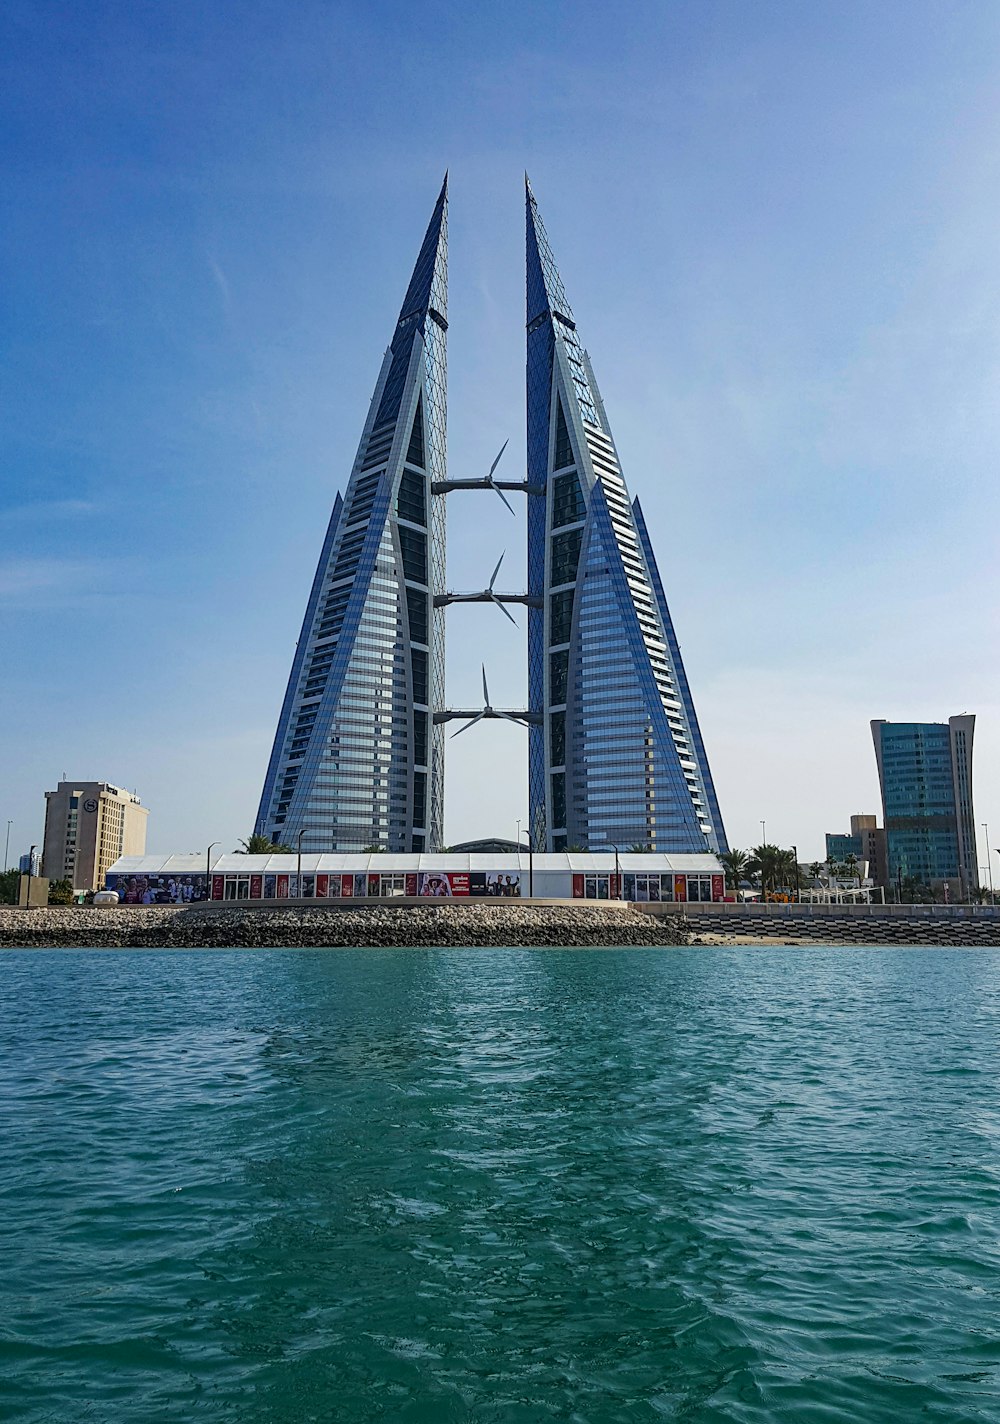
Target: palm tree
pixel 262 845
pixel 770 863
pixel 735 865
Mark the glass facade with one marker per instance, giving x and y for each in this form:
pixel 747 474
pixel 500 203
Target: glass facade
pixel 925 771
pixel 618 756
pixel 357 760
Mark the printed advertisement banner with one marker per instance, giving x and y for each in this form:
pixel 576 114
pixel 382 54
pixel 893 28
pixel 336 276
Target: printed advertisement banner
pixel 461 883
pixel 158 889
pixel 680 887
pixel 718 887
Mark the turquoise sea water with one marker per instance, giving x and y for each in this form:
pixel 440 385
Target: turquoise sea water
pixel 627 1185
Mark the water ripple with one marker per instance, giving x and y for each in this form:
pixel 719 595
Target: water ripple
pixel 739 1186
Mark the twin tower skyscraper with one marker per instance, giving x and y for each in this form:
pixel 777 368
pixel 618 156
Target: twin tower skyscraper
pixel 615 754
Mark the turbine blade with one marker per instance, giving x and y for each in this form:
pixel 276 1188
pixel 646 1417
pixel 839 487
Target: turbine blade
pixel 476 719
pixel 496 571
pixel 509 717
pixel 495 486
pixel 498 458
pixel 504 610
pixel 486 691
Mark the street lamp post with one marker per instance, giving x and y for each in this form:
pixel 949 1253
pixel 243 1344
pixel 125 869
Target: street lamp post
pixel 618 877
pixel 798 892
pixel 989 862
pixel 31 862
pixel 763 833
pixel 208 871
pixel 298 872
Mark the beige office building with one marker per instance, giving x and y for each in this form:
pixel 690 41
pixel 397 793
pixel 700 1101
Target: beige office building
pixel 88 826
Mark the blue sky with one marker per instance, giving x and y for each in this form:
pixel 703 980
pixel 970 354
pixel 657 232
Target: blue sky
pixel 778 227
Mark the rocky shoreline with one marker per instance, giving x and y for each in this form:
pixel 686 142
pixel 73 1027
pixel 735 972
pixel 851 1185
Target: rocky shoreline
pixel 380 926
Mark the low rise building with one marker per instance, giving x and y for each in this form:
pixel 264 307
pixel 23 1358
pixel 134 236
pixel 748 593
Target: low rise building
pixel 88 826
pixel 184 879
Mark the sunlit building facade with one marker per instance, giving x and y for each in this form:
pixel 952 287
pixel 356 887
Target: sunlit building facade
pixel 617 755
pixel 925 772
pixel 357 760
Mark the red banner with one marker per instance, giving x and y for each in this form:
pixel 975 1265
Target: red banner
pixel 217 881
pixel 322 887
pixel 282 887
pixel 411 884
pixel 718 887
pixel 577 887
pixel 614 887
pixel 680 887
pixel 256 887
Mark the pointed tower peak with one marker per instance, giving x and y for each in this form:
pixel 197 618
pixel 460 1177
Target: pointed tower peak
pixel 546 292
pixel 429 283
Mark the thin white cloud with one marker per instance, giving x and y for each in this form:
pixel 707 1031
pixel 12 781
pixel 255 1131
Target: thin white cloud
pixel 50 509
pixel 28 581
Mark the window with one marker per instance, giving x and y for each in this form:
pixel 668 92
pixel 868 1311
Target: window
pixel 560 616
pixel 557 738
pixel 419 664
pixel 420 738
pixel 565 555
pixel 558 676
pixel 564 450
pixel 558 798
pixel 567 501
pixel 413 547
pixel 411 502
pixel 419 798
pixel 415 452
pixel 416 608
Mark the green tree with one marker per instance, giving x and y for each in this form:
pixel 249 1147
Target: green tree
pixel 734 863
pixel 373 850
pixel 263 845
pixel 770 864
pixel 60 892
pixel 8 887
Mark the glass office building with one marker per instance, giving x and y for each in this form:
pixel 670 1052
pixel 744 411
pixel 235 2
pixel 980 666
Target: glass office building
pixel 925 771
pixel 357 759
pixel 616 754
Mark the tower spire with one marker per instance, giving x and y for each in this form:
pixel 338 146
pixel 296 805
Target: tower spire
pixel 607 690
pixel 371 651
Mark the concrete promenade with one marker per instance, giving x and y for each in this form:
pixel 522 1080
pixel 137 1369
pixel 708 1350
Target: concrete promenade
pixel 839 924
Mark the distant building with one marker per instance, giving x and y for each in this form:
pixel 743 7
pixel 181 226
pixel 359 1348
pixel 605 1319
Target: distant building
pixel 841 847
pixel 491 844
pixel 865 844
pixel 925 771
pixel 88 826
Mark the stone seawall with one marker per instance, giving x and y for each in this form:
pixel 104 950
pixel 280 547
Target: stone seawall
pixel 376 926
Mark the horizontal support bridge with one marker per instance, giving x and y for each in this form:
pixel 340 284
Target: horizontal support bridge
pixel 441 600
pixel 446 486
pixel 508 714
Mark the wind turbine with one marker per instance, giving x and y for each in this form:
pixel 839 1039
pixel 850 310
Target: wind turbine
pixel 488 711
pixel 491 482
